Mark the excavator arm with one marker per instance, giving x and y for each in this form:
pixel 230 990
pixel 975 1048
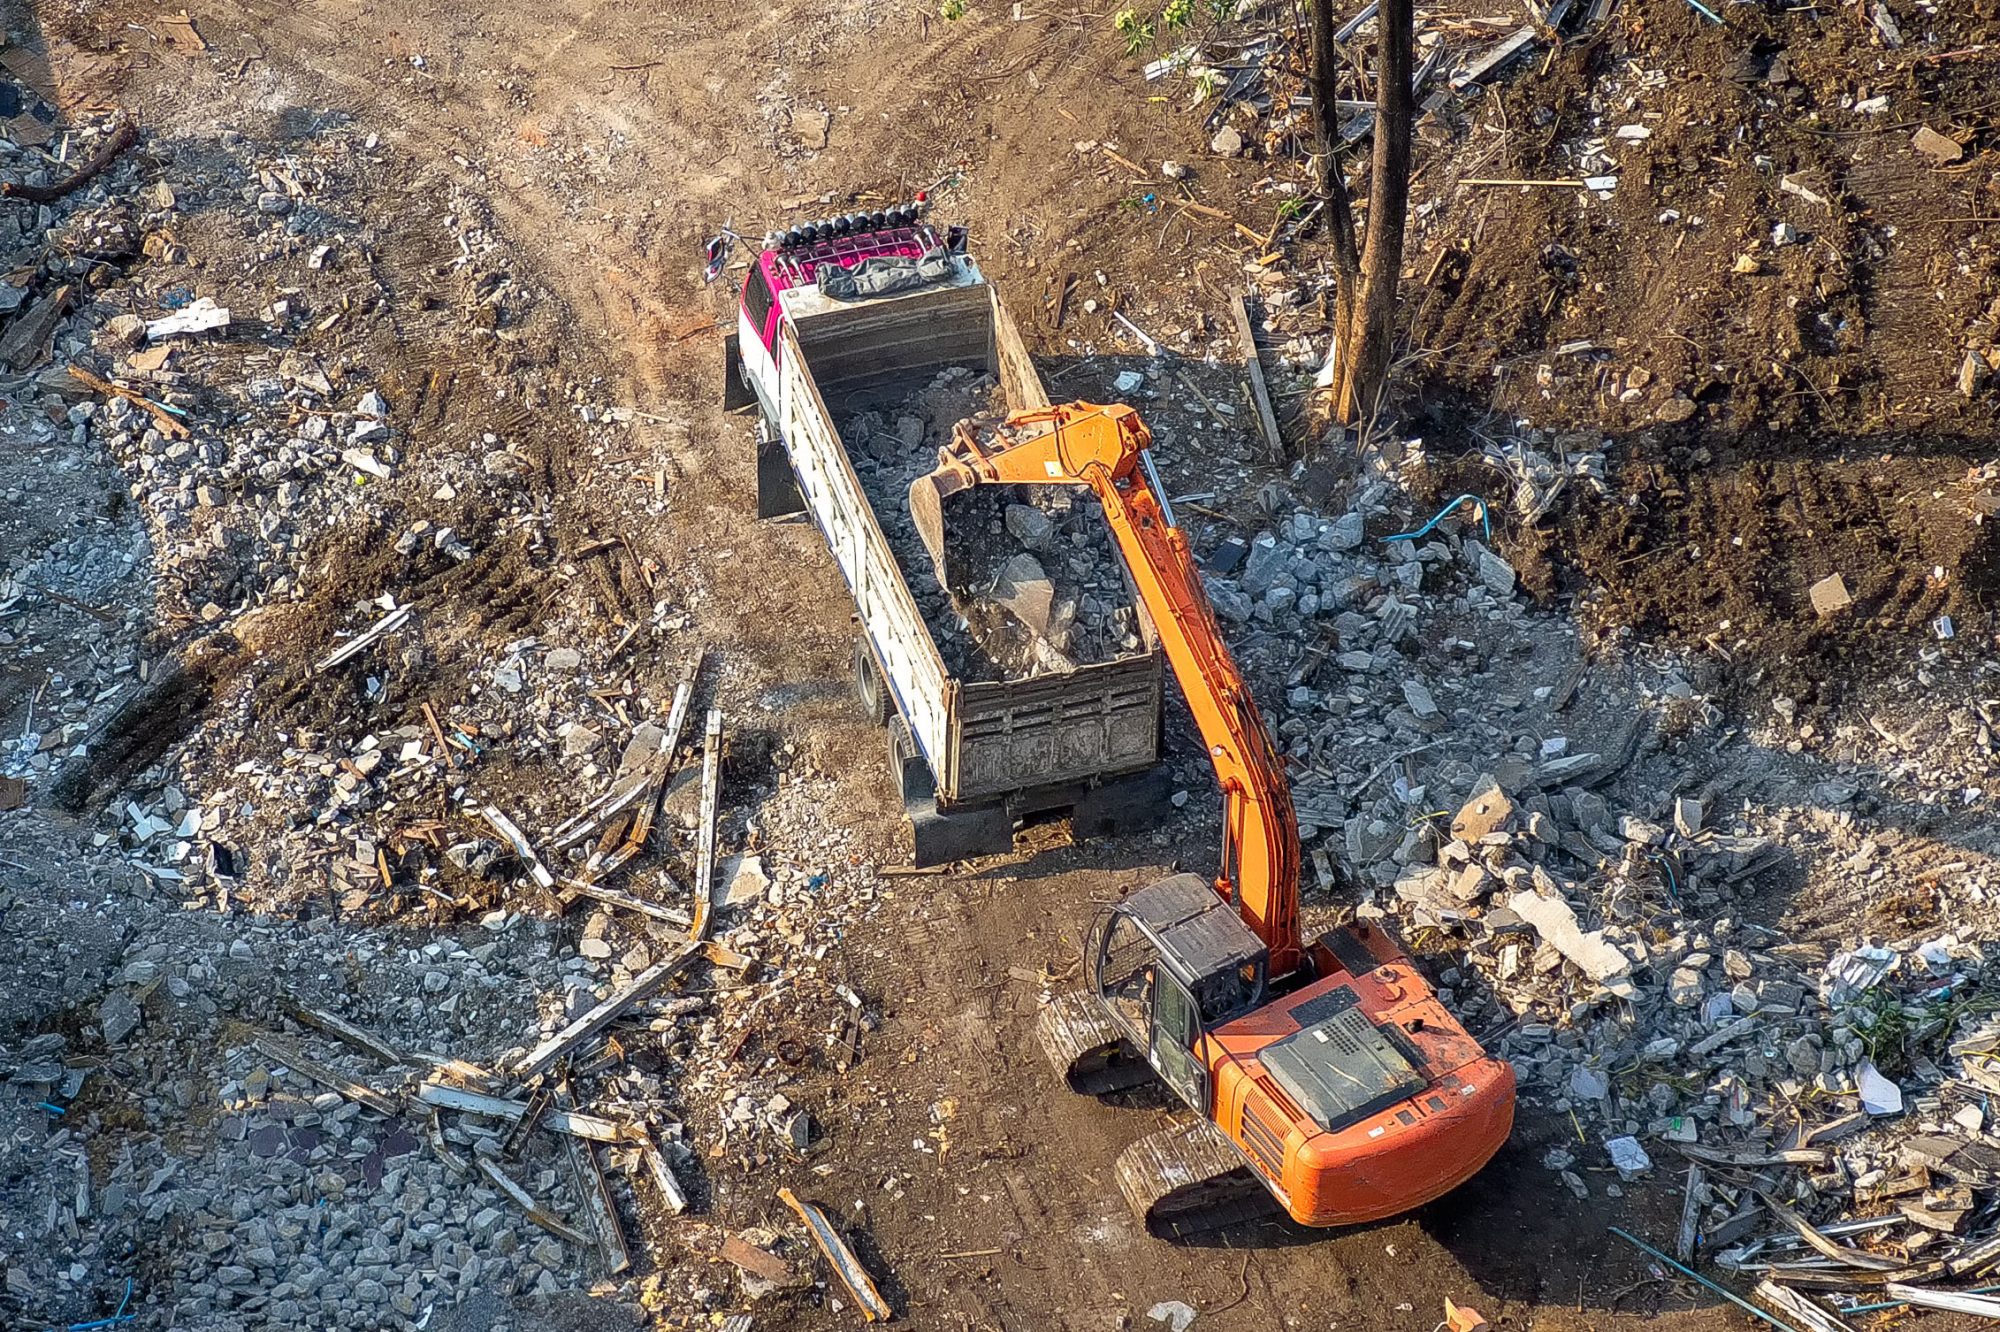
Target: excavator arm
pixel 1103 447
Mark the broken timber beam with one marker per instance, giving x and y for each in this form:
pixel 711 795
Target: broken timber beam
pixel 600 811
pixel 573 888
pixel 663 1175
pixel 643 986
pixel 274 1049
pixel 576 1125
pixel 711 791
pixel 517 839
pixel 840 1257
pixel 342 1030
pixel 1253 369
pixel 524 1200
pixel 596 1194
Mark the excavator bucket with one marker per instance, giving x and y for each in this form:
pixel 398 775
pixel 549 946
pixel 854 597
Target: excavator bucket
pixel 927 496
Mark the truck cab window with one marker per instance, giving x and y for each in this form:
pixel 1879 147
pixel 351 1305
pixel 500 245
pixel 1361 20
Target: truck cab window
pixel 757 299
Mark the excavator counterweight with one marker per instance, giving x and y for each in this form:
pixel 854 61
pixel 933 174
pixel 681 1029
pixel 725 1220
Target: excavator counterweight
pixel 1326 1075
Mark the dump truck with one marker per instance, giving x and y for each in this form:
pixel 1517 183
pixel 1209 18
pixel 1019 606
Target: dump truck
pixel 861 313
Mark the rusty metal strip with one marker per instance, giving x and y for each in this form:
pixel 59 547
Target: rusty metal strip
pixel 845 1265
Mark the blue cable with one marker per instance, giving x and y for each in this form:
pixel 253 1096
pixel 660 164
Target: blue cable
pixel 120 1317
pixel 1441 515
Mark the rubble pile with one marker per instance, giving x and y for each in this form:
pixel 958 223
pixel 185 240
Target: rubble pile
pixel 1036 584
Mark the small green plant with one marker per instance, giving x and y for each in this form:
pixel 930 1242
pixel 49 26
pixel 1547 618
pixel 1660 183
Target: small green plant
pixel 1176 13
pixel 1222 10
pixel 1137 32
pixel 952 10
pixel 1207 83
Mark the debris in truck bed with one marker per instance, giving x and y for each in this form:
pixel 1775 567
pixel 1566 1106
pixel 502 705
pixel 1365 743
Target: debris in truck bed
pixel 1036 584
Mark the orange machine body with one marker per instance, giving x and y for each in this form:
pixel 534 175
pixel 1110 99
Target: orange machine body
pixel 1403 1155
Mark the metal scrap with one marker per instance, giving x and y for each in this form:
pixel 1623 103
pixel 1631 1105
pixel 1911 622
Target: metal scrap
pixel 840 1257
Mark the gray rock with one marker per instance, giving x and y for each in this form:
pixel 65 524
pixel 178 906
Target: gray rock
pixel 1227 142
pixel 1029 525
pixel 1346 533
pixel 119 1016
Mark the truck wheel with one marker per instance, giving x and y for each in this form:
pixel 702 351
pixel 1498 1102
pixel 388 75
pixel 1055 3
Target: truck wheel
pixel 914 782
pixel 870 690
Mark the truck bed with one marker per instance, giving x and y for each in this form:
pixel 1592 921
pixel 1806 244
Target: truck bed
pixel 983 737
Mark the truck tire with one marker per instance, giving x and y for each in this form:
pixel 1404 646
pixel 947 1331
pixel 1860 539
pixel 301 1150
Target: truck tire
pixel 915 783
pixel 871 691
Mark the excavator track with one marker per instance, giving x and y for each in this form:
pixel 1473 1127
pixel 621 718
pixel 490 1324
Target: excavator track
pixel 1188 1181
pixel 1086 1048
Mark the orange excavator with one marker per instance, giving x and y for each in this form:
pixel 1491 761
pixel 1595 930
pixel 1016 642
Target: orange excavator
pixel 1325 1075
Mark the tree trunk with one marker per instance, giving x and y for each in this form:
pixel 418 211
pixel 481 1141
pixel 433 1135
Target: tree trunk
pixel 1388 206
pixel 1332 183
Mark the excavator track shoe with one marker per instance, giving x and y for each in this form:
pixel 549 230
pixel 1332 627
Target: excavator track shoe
pixel 1189 1181
pixel 1086 1048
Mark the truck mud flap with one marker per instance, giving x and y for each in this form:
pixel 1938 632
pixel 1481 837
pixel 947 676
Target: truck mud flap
pixel 777 489
pixel 737 395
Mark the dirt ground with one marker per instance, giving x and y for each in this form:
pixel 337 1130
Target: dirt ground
pixel 607 142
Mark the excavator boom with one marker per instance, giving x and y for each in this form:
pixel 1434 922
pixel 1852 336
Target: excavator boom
pixel 1102 447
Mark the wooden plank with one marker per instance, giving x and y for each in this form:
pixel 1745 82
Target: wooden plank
pixel 1690 1215
pixel 341 1029
pixel 1253 368
pixel 625 901
pixel 276 1050
pixel 711 799
pixel 441 1096
pixel 759 1263
pixel 841 1258
pixel 1979 1306
pixel 643 986
pixel 522 1199
pixel 595 1190
pixel 663 1175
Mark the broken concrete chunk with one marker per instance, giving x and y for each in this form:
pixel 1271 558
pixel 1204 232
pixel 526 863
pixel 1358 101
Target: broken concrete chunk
pixel 1830 596
pixel 1557 924
pixel 1936 146
pixel 1687 816
pixel 1026 591
pixel 1485 813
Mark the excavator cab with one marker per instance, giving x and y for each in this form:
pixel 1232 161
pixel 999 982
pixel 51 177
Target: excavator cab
pixel 1169 963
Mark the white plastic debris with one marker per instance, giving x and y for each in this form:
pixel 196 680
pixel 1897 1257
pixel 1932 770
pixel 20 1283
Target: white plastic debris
pixel 1176 1315
pixel 1879 1096
pixel 198 317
